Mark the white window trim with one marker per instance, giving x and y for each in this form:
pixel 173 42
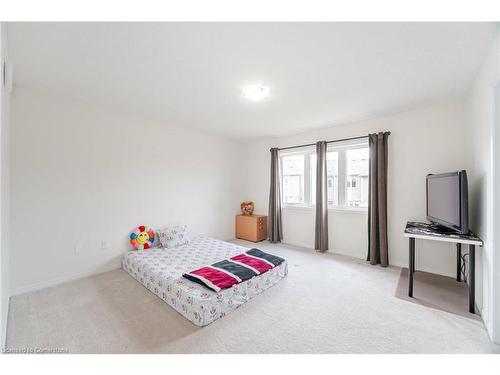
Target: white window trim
pixel 353 210
pixel 341 149
pixel 307 152
pixel 341 179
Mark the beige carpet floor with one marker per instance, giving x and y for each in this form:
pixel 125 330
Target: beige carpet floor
pixel 327 304
pixel 436 291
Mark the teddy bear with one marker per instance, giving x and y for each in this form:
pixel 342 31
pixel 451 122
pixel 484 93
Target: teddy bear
pixel 247 207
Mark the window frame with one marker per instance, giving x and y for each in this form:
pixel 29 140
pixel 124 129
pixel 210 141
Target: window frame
pixel 342 172
pixel 341 149
pixel 307 176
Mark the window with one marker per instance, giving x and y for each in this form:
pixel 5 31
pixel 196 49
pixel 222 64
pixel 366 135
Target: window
pixel 347 176
pixel 332 172
pixel 293 179
pixel 357 177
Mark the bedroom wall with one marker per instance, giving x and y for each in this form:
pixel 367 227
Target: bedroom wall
pixel 82 175
pixel 422 141
pixel 480 115
pixel 4 194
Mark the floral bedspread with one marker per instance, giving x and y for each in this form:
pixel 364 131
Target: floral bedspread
pixel 160 270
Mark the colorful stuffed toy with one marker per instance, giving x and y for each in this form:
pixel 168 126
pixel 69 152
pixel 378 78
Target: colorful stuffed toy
pixel 142 238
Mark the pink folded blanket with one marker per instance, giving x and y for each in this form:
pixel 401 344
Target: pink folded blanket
pixel 232 271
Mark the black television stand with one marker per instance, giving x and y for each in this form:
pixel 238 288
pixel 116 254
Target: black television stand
pixel 435 232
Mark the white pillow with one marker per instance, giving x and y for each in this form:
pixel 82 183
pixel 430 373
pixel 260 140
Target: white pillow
pixel 173 236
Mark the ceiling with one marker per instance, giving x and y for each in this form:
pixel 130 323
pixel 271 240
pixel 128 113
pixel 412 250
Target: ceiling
pixel 191 74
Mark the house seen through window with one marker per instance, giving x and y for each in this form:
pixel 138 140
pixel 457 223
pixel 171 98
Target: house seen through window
pixel 347 176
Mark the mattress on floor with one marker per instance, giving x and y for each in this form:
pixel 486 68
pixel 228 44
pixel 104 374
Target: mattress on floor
pixel 160 270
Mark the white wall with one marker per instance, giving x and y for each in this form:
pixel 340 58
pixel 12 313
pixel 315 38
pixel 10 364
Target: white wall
pixel 82 174
pixel 4 194
pixel 480 121
pixel 423 141
pixel 347 231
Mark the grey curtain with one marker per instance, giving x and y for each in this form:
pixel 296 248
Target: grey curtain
pixel 275 229
pixel 377 200
pixel 321 229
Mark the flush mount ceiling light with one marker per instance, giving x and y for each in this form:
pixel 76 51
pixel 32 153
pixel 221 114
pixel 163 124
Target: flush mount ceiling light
pixel 255 92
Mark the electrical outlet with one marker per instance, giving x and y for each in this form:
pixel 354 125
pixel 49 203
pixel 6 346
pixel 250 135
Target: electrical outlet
pixel 78 248
pixel 104 244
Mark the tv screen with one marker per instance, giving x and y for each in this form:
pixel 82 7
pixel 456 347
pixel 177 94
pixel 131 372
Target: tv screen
pixel 447 203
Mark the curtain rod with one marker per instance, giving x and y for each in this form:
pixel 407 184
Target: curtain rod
pixel 336 140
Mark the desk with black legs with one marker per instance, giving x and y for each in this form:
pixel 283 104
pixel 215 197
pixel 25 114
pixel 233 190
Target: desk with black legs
pixel 433 232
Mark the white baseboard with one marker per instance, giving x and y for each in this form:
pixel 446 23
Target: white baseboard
pixel 4 320
pixel 63 279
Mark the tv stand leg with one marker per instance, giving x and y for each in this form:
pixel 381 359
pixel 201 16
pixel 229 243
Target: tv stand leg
pixel 472 278
pixel 411 266
pixel 459 262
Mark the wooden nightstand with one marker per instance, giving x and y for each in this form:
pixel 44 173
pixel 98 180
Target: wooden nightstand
pixel 251 227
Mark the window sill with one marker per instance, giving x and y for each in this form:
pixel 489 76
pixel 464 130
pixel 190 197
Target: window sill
pixel 298 208
pixel 354 210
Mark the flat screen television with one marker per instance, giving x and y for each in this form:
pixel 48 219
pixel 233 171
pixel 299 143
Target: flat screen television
pixel 447 200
